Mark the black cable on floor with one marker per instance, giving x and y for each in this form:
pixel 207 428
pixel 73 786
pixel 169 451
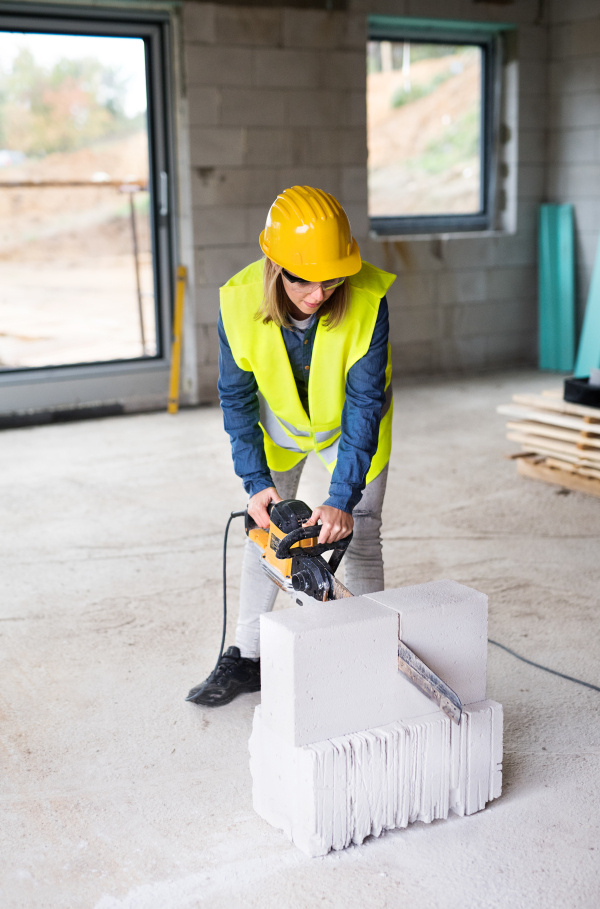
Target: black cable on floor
pixel 234 514
pixel 545 668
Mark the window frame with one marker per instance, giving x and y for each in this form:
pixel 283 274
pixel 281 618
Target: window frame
pixel 389 28
pixel 73 383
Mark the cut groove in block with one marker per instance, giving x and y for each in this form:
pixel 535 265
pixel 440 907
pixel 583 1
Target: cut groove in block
pixel 445 624
pixel 332 668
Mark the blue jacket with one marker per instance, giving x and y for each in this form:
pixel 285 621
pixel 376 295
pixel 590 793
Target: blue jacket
pixel 365 396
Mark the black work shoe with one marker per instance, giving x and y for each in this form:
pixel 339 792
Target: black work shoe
pixel 234 675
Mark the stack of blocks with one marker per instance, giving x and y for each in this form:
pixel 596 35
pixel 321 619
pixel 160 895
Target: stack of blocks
pixel 343 745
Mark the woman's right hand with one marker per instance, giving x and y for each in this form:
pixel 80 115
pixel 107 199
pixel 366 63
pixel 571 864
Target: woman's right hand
pixel 257 506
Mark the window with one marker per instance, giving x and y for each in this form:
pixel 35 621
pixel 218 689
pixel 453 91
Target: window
pixel 85 234
pixel 430 122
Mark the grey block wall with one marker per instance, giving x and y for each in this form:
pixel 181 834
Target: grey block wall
pixel 276 96
pixel 574 125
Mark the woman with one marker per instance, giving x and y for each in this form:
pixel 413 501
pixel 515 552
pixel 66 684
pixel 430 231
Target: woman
pixel 304 365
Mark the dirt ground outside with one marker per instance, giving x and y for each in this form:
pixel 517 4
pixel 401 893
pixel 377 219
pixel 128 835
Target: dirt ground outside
pixel 424 146
pixel 68 291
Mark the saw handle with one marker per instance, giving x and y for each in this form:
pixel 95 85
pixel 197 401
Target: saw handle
pixel 305 533
pixel 250 523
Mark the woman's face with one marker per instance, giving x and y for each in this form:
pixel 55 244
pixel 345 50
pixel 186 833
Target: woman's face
pixel 307 299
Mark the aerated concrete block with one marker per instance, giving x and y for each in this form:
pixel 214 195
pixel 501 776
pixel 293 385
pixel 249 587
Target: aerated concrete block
pixel 328 669
pixel 445 624
pixel 327 773
pixel 330 794
pixel 316 108
pixel 312 28
pixel 199 23
pixel 279 68
pixel 252 107
pixel 332 668
pixel 254 27
pixel 212 65
pixel 203 106
pixel 344 69
pixel 216 146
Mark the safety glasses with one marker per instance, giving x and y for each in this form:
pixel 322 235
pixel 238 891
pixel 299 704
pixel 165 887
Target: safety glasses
pixel 311 285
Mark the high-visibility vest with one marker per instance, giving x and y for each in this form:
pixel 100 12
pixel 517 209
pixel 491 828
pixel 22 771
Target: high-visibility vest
pixel 289 432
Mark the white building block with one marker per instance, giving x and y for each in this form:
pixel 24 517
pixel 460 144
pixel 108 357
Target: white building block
pixel 330 794
pixel 445 624
pixel 328 669
pixel 217 146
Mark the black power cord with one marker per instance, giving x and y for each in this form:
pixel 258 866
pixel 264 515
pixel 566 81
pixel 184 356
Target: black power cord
pixel 234 514
pixel 545 668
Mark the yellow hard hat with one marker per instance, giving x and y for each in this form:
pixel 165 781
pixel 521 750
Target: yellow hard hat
pixel 308 233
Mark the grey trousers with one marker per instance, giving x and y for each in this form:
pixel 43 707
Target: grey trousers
pixel 363 560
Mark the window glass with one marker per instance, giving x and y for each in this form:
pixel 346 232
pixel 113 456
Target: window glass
pixel 424 128
pixel 76 260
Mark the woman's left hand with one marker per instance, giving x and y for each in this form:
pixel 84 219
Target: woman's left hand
pixel 336 524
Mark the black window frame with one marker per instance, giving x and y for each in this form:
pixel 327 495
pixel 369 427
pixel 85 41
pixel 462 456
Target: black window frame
pixel 388 28
pixel 153 27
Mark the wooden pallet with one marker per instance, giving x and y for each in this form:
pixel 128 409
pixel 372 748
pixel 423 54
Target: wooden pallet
pixel 560 442
pixel 527 467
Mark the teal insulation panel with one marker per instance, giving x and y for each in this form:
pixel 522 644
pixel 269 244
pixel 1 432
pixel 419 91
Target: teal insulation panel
pixel 588 355
pixel 556 288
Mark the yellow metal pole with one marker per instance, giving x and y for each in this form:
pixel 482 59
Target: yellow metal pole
pixel 173 406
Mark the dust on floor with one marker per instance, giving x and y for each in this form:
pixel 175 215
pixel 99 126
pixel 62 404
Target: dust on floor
pixel 116 794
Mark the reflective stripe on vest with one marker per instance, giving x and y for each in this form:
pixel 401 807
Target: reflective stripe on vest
pixel 289 432
pixel 273 426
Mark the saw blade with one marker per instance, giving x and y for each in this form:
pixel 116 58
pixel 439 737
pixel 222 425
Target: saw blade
pixel 276 577
pixel 429 683
pixel 337 591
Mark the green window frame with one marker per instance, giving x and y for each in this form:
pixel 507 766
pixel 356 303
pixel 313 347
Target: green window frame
pixel 488 38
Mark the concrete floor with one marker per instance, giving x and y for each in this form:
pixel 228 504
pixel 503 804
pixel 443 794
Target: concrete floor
pixel 116 794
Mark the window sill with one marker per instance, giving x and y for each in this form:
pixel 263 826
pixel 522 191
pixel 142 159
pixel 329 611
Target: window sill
pixel 441 235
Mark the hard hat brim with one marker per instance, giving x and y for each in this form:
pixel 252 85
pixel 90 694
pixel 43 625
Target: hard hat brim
pixel 324 271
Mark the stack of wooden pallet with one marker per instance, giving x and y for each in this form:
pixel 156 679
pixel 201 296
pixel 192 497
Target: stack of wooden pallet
pixel 560 442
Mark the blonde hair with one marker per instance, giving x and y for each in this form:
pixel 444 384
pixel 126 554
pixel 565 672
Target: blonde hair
pixel 276 303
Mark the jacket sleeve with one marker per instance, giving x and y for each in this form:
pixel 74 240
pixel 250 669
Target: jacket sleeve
pixel 241 413
pixel 361 416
